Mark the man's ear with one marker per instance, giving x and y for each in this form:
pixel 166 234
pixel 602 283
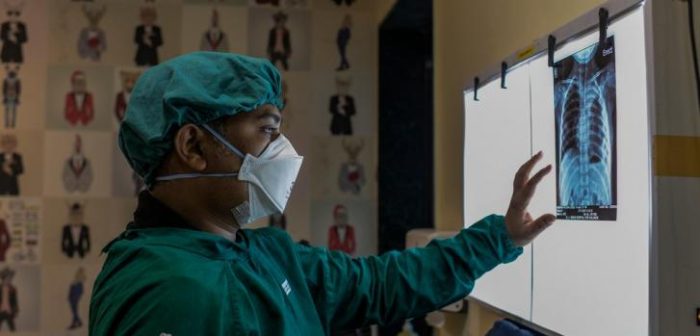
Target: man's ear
pixel 189 144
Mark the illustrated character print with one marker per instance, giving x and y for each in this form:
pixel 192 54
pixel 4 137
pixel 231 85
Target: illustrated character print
pixel 128 80
pixel 148 37
pixel 75 240
pixel 351 177
pixel 79 108
pixel 11 91
pixel 77 170
pixel 342 107
pixel 214 39
pixel 92 41
pixel 341 235
pixel 279 43
pixel 342 40
pixel 13 34
pixel 11 166
pixel 75 293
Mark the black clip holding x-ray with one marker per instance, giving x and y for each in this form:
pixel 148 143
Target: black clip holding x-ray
pixel 551 45
pixel 603 22
pixel 504 70
pixel 476 88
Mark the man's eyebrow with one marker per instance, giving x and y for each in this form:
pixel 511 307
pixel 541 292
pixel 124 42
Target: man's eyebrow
pixel 268 114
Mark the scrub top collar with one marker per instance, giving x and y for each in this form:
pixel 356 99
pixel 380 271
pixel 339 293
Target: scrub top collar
pixel 152 213
pixel 156 224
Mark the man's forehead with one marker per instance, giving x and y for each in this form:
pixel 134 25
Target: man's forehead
pixel 261 113
pixel 267 108
pixel 267 111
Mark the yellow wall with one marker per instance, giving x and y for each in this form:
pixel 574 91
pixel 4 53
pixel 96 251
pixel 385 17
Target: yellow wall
pixel 469 36
pixel 382 8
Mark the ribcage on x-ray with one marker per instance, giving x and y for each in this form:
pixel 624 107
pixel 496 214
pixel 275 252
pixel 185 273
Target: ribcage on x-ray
pixel 585 153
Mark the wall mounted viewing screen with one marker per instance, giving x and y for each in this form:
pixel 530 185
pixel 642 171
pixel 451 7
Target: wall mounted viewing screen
pixel 583 101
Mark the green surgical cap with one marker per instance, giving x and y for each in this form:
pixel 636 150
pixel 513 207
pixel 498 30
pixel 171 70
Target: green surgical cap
pixel 195 88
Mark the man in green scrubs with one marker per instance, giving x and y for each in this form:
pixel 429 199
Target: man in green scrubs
pixel 203 131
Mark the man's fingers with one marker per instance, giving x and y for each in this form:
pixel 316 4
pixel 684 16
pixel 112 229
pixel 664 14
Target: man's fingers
pixel 535 180
pixel 521 198
pixel 536 227
pixel 523 173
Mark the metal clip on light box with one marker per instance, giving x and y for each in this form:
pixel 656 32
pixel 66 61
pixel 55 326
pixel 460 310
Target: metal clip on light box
pixel 551 45
pixel 504 70
pixel 476 88
pixel 603 21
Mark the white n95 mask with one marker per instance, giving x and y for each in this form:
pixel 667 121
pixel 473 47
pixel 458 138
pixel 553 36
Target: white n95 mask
pixel 270 178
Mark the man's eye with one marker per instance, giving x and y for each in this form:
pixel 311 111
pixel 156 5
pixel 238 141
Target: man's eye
pixel 270 130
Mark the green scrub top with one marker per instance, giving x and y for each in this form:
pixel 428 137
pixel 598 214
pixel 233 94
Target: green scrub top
pixel 175 281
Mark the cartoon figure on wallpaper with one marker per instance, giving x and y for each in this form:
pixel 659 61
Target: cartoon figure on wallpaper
pixel 346 2
pixel 148 38
pixel 75 293
pixel 77 171
pixel 5 240
pixel 351 178
pixel 79 108
pixel 11 166
pixel 214 39
pixel 341 236
pixel 342 40
pixel 279 43
pixel 11 90
pixel 278 220
pixel 342 107
pixel 128 79
pixel 75 241
pixel 13 34
pixel 92 41
pixel 9 304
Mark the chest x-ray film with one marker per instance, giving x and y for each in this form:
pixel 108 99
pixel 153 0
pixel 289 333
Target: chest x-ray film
pixel 585 112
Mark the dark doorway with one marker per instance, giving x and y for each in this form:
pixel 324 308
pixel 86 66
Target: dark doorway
pixel 405 129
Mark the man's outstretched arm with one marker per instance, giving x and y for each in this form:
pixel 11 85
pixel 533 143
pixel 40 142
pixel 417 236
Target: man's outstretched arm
pixel 350 292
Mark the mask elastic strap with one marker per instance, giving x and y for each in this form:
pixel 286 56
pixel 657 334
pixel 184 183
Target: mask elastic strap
pixel 193 175
pixel 223 141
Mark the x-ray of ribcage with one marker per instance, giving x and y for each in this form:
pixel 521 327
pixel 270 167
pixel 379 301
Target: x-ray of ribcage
pixel 584 87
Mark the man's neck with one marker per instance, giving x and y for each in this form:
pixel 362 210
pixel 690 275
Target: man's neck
pixel 198 216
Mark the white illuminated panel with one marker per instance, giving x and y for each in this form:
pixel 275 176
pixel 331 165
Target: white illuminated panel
pixel 497 142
